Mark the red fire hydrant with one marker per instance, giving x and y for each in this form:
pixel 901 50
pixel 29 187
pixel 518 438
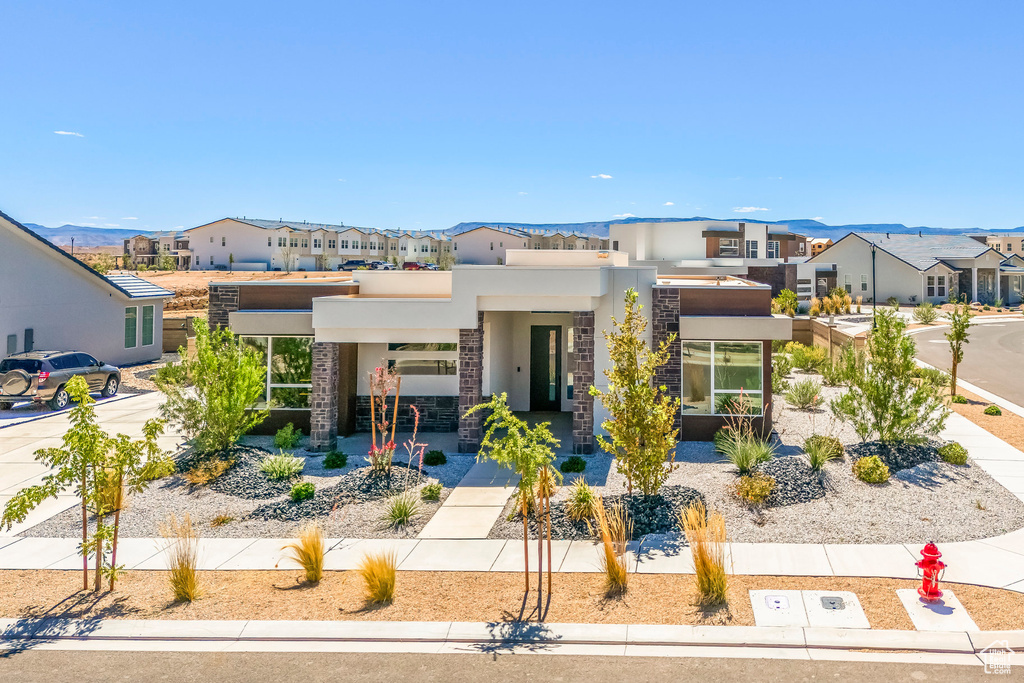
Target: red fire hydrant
pixel 930 567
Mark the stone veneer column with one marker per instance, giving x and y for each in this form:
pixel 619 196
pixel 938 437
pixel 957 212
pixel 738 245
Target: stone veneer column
pixel 323 401
pixel 471 384
pixel 223 300
pixel 582 379
pixel 665 321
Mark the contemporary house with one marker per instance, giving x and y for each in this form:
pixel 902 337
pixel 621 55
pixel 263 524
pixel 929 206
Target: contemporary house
pixel 51 301
pixel 763 252
pixel 255 244
pixel 1006 242
pixel 531 328
pixel 913 267
pixel 146 250
pixel 486 245
pixel 1012 279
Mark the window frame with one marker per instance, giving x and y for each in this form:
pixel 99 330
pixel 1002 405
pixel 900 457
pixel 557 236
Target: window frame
pixel 729 246
pixel 151 310
pixel 131 313
pixel 749 394
pixel 268 385
pixel 774 249
pixel 750 249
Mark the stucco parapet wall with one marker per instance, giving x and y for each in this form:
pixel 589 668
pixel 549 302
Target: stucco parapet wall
pixel 291 323
pixel 735 328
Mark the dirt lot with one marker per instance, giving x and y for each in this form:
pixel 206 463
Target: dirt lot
pixel 460 596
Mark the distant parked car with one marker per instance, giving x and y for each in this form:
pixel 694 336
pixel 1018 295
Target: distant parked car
pixel 381 265
pixel 42 375
pixel 354 264
pixel 418 265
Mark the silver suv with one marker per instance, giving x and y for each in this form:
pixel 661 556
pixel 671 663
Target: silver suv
pixel 42 375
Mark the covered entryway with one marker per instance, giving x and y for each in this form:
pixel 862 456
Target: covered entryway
pixel 545 368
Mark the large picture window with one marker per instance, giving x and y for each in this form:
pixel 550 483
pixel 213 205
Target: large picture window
pixel 424 358
pixel 728 246
pixel 289 362
pixel 722 378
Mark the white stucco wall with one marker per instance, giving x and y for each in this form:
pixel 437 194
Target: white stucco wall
pixel 67 307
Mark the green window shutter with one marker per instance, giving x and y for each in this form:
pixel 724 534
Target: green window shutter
pixel 147 325
pixel 130 326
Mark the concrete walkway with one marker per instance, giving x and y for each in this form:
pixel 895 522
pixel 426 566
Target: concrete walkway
pixel 472 508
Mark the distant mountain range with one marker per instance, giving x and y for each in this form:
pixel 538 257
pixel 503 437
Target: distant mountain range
pixel 99 237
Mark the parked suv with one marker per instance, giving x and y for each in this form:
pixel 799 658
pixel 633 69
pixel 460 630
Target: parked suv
pixel 354 264
pixel 381 265
pixel 42 375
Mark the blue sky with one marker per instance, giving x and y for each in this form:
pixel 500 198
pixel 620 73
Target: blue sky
pixel 421 115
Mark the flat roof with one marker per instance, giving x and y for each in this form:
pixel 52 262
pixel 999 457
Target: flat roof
pixel 706 281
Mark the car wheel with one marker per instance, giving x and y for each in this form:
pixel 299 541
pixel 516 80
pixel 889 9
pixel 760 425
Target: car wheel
pixel 6 406
pixel 110 388
pixel 60 399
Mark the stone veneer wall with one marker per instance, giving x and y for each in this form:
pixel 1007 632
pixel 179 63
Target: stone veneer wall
pixel 323 402
pixel 665 321
pixel 582 379
pixel 223 300
pixel 437 413
pixel 471 382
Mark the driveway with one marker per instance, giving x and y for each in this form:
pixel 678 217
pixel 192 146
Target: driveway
pixel 25 431
pixel 994 359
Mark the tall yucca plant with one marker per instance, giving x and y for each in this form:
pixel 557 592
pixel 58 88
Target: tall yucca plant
pixel 705 533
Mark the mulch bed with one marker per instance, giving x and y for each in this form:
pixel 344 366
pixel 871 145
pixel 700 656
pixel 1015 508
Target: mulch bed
pixel 1009 426
pixel 460 596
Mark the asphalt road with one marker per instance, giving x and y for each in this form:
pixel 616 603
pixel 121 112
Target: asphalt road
pixel 57 666
pixel 993 360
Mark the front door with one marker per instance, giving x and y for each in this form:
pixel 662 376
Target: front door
pixel 545 367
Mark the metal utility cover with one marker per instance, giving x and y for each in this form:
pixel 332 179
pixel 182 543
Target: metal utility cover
pixel 832 602
pixel 834 609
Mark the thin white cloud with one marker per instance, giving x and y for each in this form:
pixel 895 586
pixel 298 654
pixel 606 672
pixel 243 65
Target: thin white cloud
pixel 94 218
pixel 69 132
pixel 130 218
pixel 817 218
pixel 602 176
pixel 624 215
pixel 669 204
pixel 177 227
pixel 523 193
pixel 342 180
pixel 749 209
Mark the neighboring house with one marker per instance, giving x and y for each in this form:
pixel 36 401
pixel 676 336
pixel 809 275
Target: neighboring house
pixel 913 268
pixel 51 301
pixel 486 245
pixel 145 250
pixel 531 328
pixel 1007 242
pixel 816 245
pixel 763 252
pixel 255 244
pixel 1012 279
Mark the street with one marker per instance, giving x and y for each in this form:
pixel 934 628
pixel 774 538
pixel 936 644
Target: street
pixel 993 360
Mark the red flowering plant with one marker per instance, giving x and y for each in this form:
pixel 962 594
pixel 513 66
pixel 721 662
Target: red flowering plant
pixel 413 449
pixel 383 380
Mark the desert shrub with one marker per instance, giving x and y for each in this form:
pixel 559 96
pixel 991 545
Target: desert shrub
pixel 308 551
pixel 582 503
pixel 432 491
pixel 207 469
pixel 821 448
pixel 335 460
pixel 871 469
pixel 706 536
pixel 278 467
pixel 779 345
pixel 434 458
pixel 804 394
pixel 212 393
pixel 926 313
pixel 986 307
pixel 993 410
pixel 755 488
pixel 884 398
pixel 786 302
pixel 894 302
pixel 183 556
pixel 377 571
pixel 953 453
pixel 860 302
pixel 998 303
pixel 782 364
pixel 809 358
pixel 932 376
pixel 957 398
pixel 302 491
pixel 743 448
pixel 615 529
pixel 288 436
pixel 401 509
pixel 573 464
pixel 221 520
pixel 832 373
pixel 780 384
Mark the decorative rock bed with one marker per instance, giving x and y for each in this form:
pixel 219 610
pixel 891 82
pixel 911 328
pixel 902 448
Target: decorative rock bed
pixel 795 481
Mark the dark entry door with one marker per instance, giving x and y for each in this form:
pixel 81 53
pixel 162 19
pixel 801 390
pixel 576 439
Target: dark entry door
pixel 545 367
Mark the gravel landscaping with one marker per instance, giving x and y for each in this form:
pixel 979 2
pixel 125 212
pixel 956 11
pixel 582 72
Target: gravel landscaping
pixel 924 500
pixel 243 503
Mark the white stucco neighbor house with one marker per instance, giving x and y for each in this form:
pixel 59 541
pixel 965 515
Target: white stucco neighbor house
pixel 914 267
pixel 531 328
pixel 50 301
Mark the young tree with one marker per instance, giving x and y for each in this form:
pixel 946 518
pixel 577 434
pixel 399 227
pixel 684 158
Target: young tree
pixel 102 469
pixel 527 451
pixel 323 262
pixel 959 322
pixel 445 260
pixel 231 261
pixel 104 263
pixel 213 394
pixel 884 399
pixel 166 262
pixel 642 423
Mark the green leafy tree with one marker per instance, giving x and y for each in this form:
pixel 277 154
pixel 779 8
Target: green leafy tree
pixel 231 261
pixel 104 263
pixel 642 422
pixel 512 443
pixel 166 262
pixel 213 394
pixel 958 335
pixel 786 302
pixel 103 470
pixel 884 399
